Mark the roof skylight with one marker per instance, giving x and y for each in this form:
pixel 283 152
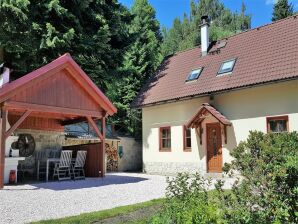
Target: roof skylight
pixel 194 74
pixel 227 66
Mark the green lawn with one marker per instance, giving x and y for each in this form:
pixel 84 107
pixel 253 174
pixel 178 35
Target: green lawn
pixel 98 216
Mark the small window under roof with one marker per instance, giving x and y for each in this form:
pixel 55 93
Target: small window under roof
pixel 194 74
pixel 227 66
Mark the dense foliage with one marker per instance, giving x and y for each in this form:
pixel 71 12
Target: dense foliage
pixel 188 201
pixel 118 48
pixel 185 33
pixel 267 191
pixel 140 61
pixel 34 33
pixel 282 9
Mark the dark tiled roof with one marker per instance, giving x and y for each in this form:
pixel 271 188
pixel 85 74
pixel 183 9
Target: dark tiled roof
pixel 265 54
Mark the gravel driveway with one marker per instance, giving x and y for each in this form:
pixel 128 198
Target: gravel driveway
pixel 33 202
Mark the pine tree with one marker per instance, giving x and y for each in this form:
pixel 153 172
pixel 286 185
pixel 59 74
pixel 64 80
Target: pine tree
pixel 34 32
pixel 140 62
pixel 282 9
pixel 224 23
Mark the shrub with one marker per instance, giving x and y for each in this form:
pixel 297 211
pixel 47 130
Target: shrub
pixel 268 192
pixel 187 202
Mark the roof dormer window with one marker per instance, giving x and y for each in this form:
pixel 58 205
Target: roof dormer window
pixel 194 75
pixel 227 66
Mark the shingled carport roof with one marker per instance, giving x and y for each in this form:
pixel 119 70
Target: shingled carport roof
pixel 264 55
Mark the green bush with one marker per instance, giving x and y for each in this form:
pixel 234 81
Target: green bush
pixel 187 202
pixel 268 192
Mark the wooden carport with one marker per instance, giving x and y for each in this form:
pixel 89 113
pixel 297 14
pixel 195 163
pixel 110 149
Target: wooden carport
pixel 54 95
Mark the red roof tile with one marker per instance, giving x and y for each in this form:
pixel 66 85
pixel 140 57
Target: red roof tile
pixel 265 54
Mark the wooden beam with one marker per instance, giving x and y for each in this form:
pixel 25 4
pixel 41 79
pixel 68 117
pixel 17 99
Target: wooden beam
pixel 103 145
pixel 41 115
pixel 94 126
pixel 50 109
pixel 225 134
pixel 103 125
pixel 17 124
pixel 2 145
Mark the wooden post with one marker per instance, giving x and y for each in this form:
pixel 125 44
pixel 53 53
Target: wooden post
pixel 225 134
pixel 2 145
pixel 103 145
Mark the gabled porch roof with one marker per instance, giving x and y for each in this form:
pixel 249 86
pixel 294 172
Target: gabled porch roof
pixel 205 109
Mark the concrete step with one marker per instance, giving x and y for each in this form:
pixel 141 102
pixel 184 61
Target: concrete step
pixel 214 175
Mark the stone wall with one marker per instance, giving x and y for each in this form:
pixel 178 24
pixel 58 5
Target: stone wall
pixel 43 140
pixel 171 168
pixel 79 141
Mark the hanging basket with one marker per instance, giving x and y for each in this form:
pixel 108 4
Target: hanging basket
pixel 26 145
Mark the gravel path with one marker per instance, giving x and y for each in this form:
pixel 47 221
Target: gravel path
pixel 25 203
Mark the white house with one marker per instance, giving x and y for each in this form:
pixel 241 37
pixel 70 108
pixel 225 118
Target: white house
pixel 202 102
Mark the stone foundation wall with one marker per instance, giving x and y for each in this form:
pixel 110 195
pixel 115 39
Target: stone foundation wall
pixel 79 141
pixel 43 140
pixel 164 168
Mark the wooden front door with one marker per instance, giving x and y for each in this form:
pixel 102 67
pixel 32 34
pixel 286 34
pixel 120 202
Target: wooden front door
pixel 214 145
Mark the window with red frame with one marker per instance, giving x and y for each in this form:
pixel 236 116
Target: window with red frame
pixel 165 138
pixel 278 124
pixel 187 139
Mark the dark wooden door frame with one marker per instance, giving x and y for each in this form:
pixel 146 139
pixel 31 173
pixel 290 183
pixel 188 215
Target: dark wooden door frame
pixel 206 137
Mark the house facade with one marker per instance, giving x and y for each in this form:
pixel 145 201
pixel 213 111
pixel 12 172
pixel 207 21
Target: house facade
pixel 204 101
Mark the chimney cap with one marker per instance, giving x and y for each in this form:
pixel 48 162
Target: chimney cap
pixel 205 20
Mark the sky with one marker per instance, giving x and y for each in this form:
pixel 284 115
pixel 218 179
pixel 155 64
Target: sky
pixel 167 10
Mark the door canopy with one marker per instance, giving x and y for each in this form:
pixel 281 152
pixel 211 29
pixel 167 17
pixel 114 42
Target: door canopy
pixel 204 112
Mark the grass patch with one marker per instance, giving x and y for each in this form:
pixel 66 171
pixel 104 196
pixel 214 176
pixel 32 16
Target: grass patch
pixel 98 216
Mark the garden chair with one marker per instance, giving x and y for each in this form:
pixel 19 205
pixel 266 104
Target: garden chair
pixel 62 169
pixel 41 161
pixel 78 165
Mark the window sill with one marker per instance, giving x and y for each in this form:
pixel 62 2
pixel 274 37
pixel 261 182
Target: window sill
pixel 165 150
pixel 277 132
pixel 187 150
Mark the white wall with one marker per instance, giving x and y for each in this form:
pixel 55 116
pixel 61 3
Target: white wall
pixel 247 110
pixel 132 155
